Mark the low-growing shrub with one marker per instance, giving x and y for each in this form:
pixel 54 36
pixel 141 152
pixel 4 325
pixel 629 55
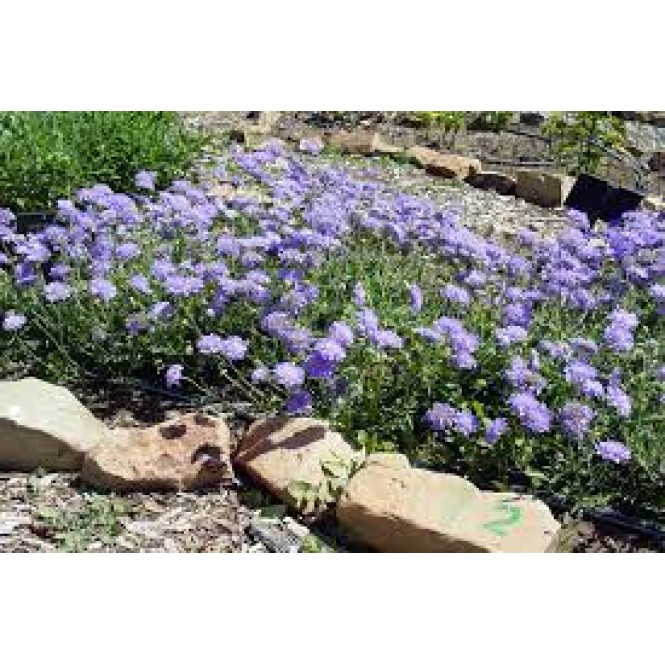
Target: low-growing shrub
pixel 45 156
pixel 311 291
pixel 494 121
pixel 448 121
pixel 579 138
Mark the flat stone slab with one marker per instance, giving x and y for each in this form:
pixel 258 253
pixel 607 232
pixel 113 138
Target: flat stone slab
pixel 393 507
pixel 43 425
pixel 443 164
pixel 544 189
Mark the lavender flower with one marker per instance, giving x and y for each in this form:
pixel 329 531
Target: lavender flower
pixel 456 294
pixel 103 289
pixel 298 403
pixel 359 296
pixel 289 375
pixel 511 335
pixel 495 429
pixel 576 419
pixel 141 284
pixel 619 400
pixel 613 451
pixel 145 180
pixel 440 417
pixel 173 375
pixel 13 322
pixel 57 292
pixel 341 333
pixel 416 298
pixel 533 415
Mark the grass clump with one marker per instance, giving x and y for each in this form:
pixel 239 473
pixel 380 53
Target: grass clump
pixel 45 156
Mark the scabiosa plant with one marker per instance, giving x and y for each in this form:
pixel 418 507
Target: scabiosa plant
pixel 360 304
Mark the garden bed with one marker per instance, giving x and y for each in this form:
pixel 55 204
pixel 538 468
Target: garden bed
pixel 290 282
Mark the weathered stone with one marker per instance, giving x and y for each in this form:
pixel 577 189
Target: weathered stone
pixel 391 460
pixel 185 453
pixel 42 425
pixel 362 143
pixel 544 189
pixel 653 203
pixel 393 508
pixel 280 451
pixel 657 161
pixel 497 182
pixel 444 164
pixel 533 118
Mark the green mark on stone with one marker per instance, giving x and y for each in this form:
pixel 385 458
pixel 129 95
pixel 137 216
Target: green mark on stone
pixel 513 517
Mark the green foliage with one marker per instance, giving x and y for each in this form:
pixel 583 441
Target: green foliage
pixel 448 121
pixel 494 121
pixel 337 472
pixel 97 519
pixel 311 544
pixel 576 136
pixel 45 156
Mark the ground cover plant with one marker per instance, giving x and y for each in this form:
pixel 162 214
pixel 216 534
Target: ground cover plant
pixel 45 156
pixel 311 291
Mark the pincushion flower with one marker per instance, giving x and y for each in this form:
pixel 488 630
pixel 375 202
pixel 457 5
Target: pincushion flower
pixel 57 292
pixel 341 332
pixel 617 398
pixel 13 322
pixel 173 376
pixel 495 429
pixel 613 451
pixel 103 289
pixel 575 419
pixel 289 375
pixel 416 298
pixel 299 403
pixel 534 415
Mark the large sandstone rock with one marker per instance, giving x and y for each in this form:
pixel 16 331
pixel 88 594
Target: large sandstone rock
pixel 493 180
pixel 42 425
pixel 444 164
pixel 280 451
pixel 362 143
pixel 548 190
pixel 395 508
pixel 185 453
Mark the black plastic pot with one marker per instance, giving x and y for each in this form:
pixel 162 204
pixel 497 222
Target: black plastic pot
pixel 600 199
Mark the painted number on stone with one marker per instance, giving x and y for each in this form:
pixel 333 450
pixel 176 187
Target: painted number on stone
pixel 512 517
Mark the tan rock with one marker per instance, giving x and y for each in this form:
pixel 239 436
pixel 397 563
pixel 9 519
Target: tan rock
pixel 493 180
pixel 362 143
pixel 185 453
pixel 544 189
pixel 394 508
pixel 654 203
pixel 391 460
pixel 42 425
pixel 444 164
pixel 280 451
pixel 505 522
